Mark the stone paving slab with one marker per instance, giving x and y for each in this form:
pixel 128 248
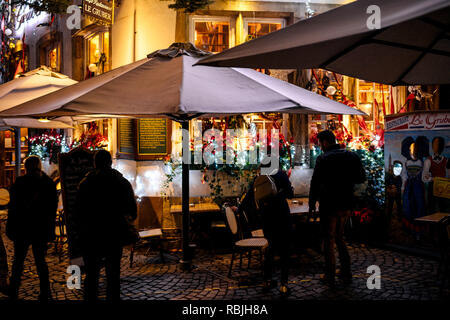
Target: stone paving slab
pixel 403 277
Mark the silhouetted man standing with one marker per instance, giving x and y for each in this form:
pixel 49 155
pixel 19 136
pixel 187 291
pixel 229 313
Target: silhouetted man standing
pixel 335 175
pixel 31 221
pixel 105 204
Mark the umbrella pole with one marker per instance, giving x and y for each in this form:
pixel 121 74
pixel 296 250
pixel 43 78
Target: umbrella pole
pixel 17 151
pixel 186 261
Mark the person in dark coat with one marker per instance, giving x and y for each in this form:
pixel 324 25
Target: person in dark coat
pixel 275 217
pixel 31 221
pixel 335 175
pixel 277 228
pixel 105 205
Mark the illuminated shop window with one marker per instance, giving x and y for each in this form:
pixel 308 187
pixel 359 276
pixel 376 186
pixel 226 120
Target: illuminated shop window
pixel 53 59
pixel 98 53
pixel 257 29
pixel 213 36
pixel 369 99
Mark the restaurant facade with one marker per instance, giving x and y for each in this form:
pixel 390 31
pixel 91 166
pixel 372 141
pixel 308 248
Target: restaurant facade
pixel 148 151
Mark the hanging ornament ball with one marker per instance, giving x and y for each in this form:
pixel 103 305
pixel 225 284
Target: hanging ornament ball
pixel 331 90
pixel 12 45
pixel 19 46
pixel 92 67
pixel 8 32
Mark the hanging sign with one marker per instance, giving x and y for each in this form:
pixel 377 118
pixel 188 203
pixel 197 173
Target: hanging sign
pixel 418 121
pixel 441 187
pixel 102 10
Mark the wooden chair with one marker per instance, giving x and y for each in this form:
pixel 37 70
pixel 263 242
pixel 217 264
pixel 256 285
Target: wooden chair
pixel 241 245
pixel 60 228
pixel 60 233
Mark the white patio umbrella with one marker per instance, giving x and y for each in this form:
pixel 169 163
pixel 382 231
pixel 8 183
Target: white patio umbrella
pixel 29 86
pixel 166 84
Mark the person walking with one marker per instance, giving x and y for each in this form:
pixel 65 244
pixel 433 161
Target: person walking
pixel 332 185
pixel 105 206
pixel 31 221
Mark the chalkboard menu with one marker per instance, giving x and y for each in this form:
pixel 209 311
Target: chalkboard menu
pixel 144 139
pixel 73 167
pixel 152 137
pixel 126 135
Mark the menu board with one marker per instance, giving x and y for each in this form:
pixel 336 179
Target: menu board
pixel 126 136
pixel 73 167
pixel 153 137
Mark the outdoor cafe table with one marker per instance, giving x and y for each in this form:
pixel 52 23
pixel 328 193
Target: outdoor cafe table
pixel 432 221
pixel 433 218
pixel 299 206
pixel 196 208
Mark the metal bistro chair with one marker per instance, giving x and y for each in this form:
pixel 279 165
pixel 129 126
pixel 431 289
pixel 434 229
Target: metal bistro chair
pixel 243 245
pixel 444 246
pixel 149 236
pixel 60 228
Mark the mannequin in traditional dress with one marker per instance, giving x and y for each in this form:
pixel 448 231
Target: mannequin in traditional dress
pixel 435 166
pixel 414 192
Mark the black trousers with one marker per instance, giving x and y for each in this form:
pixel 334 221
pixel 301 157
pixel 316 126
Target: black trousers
pixel 93 260
pixel 279 238
pixel 39 249
pixel 333 225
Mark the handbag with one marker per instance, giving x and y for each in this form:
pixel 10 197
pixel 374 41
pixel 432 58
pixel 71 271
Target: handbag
pixel 264 189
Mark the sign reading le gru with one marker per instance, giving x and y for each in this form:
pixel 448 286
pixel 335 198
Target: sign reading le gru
pixel 99 9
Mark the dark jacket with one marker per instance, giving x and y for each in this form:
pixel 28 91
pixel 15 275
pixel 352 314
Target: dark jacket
pixel 274 216
pixel 105 200
pixel 335 175
pixel 32 208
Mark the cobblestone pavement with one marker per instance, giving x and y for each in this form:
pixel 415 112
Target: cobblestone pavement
pixel 403 277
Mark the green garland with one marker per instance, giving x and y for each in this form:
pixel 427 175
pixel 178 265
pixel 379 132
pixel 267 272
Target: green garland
pixel 373 162
pixel 189 6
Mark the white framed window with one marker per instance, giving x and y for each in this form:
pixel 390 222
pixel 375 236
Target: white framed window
pixel 97 52
pixel 212 33
pixel 257 27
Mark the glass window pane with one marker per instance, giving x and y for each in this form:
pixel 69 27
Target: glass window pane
pixel 94 49
pixel 106 50
pixel 53 59
pixel 212 36
pixel 256 29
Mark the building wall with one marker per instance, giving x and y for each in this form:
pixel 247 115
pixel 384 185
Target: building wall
pixel 33 33
pixel 141 27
